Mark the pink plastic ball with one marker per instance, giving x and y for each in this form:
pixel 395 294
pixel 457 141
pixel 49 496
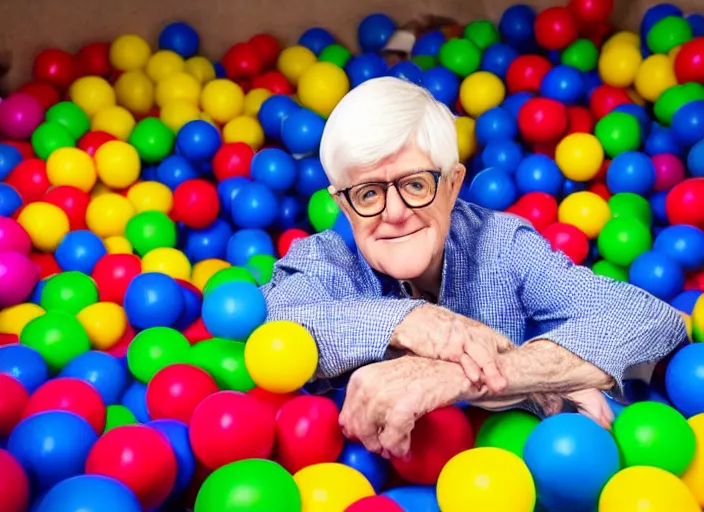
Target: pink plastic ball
pixel 13 237
pixel 669 171
pixel 20 114
pixel 18 276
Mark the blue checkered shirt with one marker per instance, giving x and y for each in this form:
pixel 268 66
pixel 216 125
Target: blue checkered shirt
pixel 497 270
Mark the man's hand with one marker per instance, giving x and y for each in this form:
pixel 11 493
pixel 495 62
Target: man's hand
pixel 385 399
pixel 437 333
pixel 593 404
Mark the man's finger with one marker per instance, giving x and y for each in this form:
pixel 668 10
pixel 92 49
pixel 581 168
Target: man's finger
pixel 471 369
pixel 395 437
pixel 493 378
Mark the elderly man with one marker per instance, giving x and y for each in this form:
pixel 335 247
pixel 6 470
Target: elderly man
pixel 444 301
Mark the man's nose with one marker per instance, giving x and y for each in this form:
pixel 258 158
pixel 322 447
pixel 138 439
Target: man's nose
pixel 396 209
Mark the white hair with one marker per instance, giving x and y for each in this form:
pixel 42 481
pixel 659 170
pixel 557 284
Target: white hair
pixel 380 117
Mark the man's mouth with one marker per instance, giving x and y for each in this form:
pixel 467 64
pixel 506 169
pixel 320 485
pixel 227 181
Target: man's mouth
pixel 400 238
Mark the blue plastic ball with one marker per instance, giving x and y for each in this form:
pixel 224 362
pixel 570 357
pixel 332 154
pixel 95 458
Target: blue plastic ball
pixel 174 170
pixel 657 273
pixel 153 299
pixel 539 173
pixel 414 498
pixel 493 188
pixel 275 168
pixel 407 70
pixel 208 243
pixel 503 154
pixel 571 186
pixel 343 228
pixel 571 458
pixel 273 111
pixel 514 102
pixel 375 31
pixel 695 160
pixel 686 300
pixel 25 364
pixel 233 310
pixel 684 379
pixel 688 123
pixel 255 206
pixel 36 295
pixel 107 374
pixel 80 250
pixel 311 176
pixel 177 434
pixel 497 58
pixel 564 84
pixel 198 140
pixel 290 213
pixel 364 67
pixel 639 112
pixel 227 190
pixel 301 131
pixel 374 467
pixel 245 243
pixel 429 43
pixel 316 39
pixel 516 25
pixel 192 303
pixel 219 70
pixel 149 173
pixel 495 124
pixel 51 446
pixel 631 171
pixel 592 80
pixel 10 200
pixel 684 243
pixel 696 21
pixel 89 493
pixel 181 38
pixel 9 158
pixel 443 84
pixel 656 13
pixel 662 140
pixel 135 399
pixel 658 207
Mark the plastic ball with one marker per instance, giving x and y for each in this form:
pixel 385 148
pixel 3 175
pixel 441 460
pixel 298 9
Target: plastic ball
pixel 275 168
pixel 331 486
pixel 669 171
pixel 692 477
pixel 196 203
pixel 19 276
pixel 104 322
pixel 623 239
pixel 13 401
pixel 255 206
pixel 442 83
pixel 24 364
pixel 168 261
pixel 683 243
pixel 461 56
pixel 555 28
pixel 637 487
pixel 568 239
pixel 163 63
pixel 619 64
pixel 14 318
pixel 92 94
pixel 179 37
pixel 682 201
pixel 618 132
pixel 564 84
pixel 322 86
pixel 253 101
pixel 507 430
pixel 502 154
pixel 105 373
pixel 208 244
pixel 176 87
pixel 234 310
pixel 682 379
pixel 302 131
pixel 20 115
pixel 480 92
pixel 13 237
pixel 50 136
pixel 15 486
pixel 579 156
pixel 493 188
pixel 69 292
pixel 542 120
pixel 631 171
pixel 70 116
pixel 134 90
pixel 108 215
pixel 113 273
pixel 117 164
pixel 586 211
pixel 687 64
pixel 10 200
pixel 246 243
pixel 244 129
pixel 226 275
pixel 45 223
pixel 176 390
pixel 128 52
pixel 89 492
pixel 668 33
pixel 672 99
pixel 154 349
pixel 200 68
pixel 224 360
pixel 222 100
pixel 232 160
pixel 153 299
pixel 80 250
pixel 654 76
pixel 294 61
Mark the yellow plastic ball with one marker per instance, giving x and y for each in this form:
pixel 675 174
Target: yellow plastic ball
pixel 466 139
pixel 205 117
pixel 253 101
pixel 151 195
pixel 579 156
pixel 92 94
pixel 45 223
pixel 620 38
pixel 117 245
pixel 480 92
pixel 322 86
pixel 585 210
pixel 100 189
pixel 693 478
pixel 281 356
pixel 687 324
pixel 490 479
pixel 655 75
pixel 646 489
pixel 135 91
pixel 200 68
pixel 672 54
pixel 164 63
pixel 244 129
pixel 169 261
pixel 117 163
pixel 635 97
pixel 177 113
pixel 698 320
pixel 14 318
pixel 294 61
pixel 205 269
pixel 222 100
pixel 71 166
pixel 129 51
pixel 104 322
pixel 619 64
pixel 108 215
pixel 115 120
pixel 178 87
pixel 331 487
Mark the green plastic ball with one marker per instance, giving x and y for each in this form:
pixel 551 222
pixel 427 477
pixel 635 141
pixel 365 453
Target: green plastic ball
pixel 70 116
pixel 461 56
pixel 582 54
pixel 152 139
pixel 58 337
pixel 623 239
pixel 654 434
pixel 262 267
pixel 482 33
pixel 156 348
pixel 424 62
pixel 224 361
pixel 608 269
pixel 668 33
pixel 322 210
pixel 335 54
pixel 69 292
pixel 118 416
pixel 628 204
pixel 225 276
pixel 508 430
pixel 150 230
pixel 252 485
pixel 673 98
pixel 50 136
pixel 618 132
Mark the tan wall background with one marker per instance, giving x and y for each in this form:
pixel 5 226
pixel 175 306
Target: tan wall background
pixel 27 26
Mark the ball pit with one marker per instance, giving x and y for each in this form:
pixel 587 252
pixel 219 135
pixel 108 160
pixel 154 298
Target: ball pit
pixel 147 191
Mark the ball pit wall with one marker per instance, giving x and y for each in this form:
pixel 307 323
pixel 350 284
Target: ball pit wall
pixel 28 27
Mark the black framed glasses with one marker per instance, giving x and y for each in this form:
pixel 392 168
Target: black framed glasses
pixel 416 190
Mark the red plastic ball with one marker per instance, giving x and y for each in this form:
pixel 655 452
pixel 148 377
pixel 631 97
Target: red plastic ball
pixel 54 66
pixel 44 92
pixel 29 179
pixel 196 203
pixel 232 160
pixel 91 141
pixel 695 281
pixel 437 437
pixel 545 148
pixel 176 390
pixel 374 504
pixel 242 60
pixel 229 426
pixel 94 59
pixel 605 98
pixel 538 208
pixel 568 239
pixel 542 120
pixel 601 189
pixel 197 332
pixel 46 263
pixel 13 400
pixel 591 11
pixel 267 48
pixel 14 485
pixel 113 273
pixel 526 72
pixel 287 238
pixel 601 175
pixel 598 33
pixel 119 349
pixel 274 401
pixel 683 203
pixel 689 62
pixel 24 147
pixel 69 394
pixel 138 456
pixel 555 28
pixel 308 432
pixel 477 416
pixel 73 201
pixel 579 120
pixel 274 81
